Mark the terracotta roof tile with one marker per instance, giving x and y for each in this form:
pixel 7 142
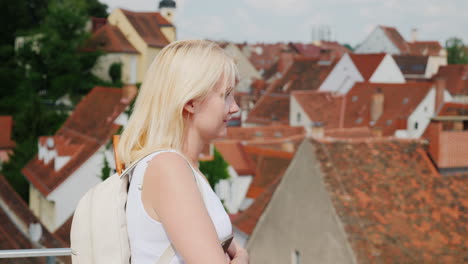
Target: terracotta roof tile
pixel 264 56
pixel 109 38
pixel 233 152
pixel 399 209
pixel 323 107
pixel 336 50
pixel 271 108
pixel 15 218
pixel 148 24
pixel 263 132
pixel 425 48
pixel 6 126
pixel 367 63
pixel 453 109
pixel 394 36
pixel 85 131
pixel 456 78
pixel 346 133
pixel 400 100
pixel 63 232
pixel 306 50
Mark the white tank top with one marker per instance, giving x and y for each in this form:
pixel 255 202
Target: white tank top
pixel 148 239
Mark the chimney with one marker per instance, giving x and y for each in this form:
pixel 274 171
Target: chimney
pixel 414 35
pixel 128 93
pixel 377 105
pixel 315 130
pixel 287 146
pixel 439 96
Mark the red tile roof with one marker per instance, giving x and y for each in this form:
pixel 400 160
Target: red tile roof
pixel 367 63
pixel 63 232
pixel 263 132
pixel 394 205
pixel 425 48
pixel 271 165
pixel 264 56
pixel 453 109
pixel 456 78
pixel 347 133
pixel 85 131
pixel 306 50
pixel 233 152
pixel 323 107
pixel 6 126
pixel 109 38
pixel 400 100
pixel 271 108
pixel 335 49
pixel 148 25
pixel 15 218
pixel 394 36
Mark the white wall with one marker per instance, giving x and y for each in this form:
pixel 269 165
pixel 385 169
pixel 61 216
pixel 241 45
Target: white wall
pixel 343 76
pixel 295 109
pixel 387 72
pixel 422 116
pixel 433 64
pixel 376 42
pixel 233 190
pixel 67 195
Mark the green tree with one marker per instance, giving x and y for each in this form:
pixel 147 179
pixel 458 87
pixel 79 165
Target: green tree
pixel 215 170
pixel 48 66
pixel 456 51
pixel 115 72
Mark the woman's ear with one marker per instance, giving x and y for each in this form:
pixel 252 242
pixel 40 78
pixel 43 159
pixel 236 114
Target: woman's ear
pixel 190 107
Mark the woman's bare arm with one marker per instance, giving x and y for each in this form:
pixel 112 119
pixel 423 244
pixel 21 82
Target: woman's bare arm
pixel 170 190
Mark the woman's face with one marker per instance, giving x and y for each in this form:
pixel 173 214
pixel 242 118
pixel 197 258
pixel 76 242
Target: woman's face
pixel 214 111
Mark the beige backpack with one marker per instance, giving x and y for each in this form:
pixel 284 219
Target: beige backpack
pixel 99 228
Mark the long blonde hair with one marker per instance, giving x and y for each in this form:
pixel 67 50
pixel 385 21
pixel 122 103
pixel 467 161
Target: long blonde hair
pixel 182 71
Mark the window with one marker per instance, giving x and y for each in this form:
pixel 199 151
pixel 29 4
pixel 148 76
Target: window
pixel 296 257
pixel 359 120
pixel 298 117
pixel 405 100
pixel 354 98
pixel 416 125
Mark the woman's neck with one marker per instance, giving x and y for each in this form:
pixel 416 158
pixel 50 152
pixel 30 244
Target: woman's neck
pixel 192 147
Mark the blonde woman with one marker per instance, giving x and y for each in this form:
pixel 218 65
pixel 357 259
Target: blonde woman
pixel 185 101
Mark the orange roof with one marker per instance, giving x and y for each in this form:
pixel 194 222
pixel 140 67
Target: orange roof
pixel 148 25
pixel 367 63
pixel 394 36
pixel 425 48
pixel 394 205
pixel 263 132
pixel 454 109
pixel 264 56
pixel 109 38
pixel 271 108
pixel 6 126
pixel 456 78
pixel 233 152
pixel 349 133
pixel 323 107
pixel 88 128
pixel 400 100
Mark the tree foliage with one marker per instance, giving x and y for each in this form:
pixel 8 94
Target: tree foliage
pixel 48 66
pixel 456 51
pixel 215 170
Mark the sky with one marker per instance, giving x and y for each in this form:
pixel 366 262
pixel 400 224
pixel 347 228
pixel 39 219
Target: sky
pixel 349 21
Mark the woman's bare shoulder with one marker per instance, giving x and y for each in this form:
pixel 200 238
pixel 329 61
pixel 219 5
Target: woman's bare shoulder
pixel 169 166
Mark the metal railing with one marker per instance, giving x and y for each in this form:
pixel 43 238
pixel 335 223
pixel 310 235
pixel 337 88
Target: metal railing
pixel 49 253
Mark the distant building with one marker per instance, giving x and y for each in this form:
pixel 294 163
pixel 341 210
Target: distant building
pixel 352 68
pixel 456 79
pixel 133 39
pixel 70 162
